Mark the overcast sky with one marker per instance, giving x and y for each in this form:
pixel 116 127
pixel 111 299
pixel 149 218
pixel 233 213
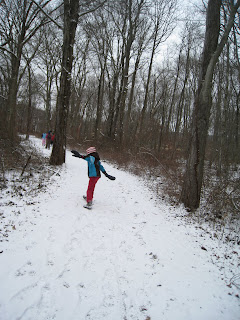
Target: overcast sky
pixel 189 10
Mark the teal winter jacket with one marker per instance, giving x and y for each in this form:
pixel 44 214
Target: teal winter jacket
pixel 94 165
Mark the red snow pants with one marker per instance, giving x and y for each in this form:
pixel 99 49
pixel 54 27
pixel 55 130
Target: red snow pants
pixel 91 187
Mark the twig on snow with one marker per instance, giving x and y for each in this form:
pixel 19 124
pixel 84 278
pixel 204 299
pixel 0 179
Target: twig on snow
pixel 235 280
pixel 152 155
pixel 24 168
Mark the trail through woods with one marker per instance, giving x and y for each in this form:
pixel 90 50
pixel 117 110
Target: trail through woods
pixel 130 257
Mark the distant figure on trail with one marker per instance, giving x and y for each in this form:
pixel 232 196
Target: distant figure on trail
pixel 52 139
pixel 44 139
pixel 48 139
pixel 94 174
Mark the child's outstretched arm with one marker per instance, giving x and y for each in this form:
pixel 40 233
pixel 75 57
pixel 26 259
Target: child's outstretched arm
pixel 105 173
pixel 109 176
pixel 76 154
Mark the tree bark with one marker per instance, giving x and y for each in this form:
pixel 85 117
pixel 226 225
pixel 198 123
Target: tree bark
pixel 100 100
pixel 112 103
pixel 29 109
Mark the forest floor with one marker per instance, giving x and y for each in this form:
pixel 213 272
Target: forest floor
pixel 133 256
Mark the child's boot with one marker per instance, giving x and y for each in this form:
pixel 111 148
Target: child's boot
pixel 88 205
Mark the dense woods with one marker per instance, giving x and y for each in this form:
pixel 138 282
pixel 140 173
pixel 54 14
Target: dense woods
pixel 98 72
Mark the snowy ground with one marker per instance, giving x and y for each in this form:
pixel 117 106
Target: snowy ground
pixel 128 258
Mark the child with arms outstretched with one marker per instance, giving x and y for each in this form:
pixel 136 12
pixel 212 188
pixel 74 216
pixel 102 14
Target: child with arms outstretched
pixel 94 172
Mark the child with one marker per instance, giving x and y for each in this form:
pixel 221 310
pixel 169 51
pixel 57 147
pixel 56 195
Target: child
pixel 94 168
pixel 48 139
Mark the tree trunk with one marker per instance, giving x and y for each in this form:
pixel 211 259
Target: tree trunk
pixel 192 186
pixel 12 96
pixel 112 102
pixel 237 115
pixel 182 98
pixel 194 172
pixel 174 92
pixel 29 109
pixel 124 89
pixel 144 108
pixel 127 121
pixel 71 8
pixel 100 100
pixel 142 116
pixel 48 100
pixel 117 104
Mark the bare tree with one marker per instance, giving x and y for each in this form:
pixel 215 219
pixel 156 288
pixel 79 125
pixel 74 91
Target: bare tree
pixel 79 97
pixel 163 16
pixel 71 16
pixel 192 186
pixel 141 46
pixel 49 62
pixel 20 22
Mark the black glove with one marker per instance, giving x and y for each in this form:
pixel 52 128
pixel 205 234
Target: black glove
pixel 108 176
pixel 76 154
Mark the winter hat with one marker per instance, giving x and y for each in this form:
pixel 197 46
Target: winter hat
pixel 91 150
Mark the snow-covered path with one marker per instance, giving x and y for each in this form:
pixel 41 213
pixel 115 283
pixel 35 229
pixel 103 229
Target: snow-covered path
pixel 128 258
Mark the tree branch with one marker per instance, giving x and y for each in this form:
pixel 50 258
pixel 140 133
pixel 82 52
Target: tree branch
pixel 222 42
pixel 9 51
pixel 93 9
pixel 46 14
